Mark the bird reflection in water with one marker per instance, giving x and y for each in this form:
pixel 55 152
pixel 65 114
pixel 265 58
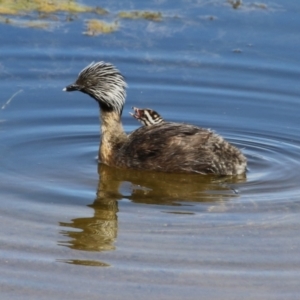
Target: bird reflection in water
pixel 98 233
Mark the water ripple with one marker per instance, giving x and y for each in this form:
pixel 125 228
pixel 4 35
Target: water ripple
pixel 273 162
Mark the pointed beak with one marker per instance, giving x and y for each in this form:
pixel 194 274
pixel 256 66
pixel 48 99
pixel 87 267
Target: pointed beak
pixel 71 88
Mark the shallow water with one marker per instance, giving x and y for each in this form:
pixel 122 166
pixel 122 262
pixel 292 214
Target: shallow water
pixel 73 229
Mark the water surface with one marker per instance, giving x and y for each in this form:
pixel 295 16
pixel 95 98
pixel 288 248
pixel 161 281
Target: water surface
pixel 74 229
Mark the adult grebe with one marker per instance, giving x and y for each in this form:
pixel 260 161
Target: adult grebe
pixel 164 147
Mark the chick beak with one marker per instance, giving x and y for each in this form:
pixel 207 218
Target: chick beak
pixel 137 113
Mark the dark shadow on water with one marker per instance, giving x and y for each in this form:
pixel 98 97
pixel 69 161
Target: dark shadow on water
pixel 98 233
pixel 82 262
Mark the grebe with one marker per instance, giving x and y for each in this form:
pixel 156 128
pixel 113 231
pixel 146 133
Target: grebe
pixel 147 116
pixel 164 147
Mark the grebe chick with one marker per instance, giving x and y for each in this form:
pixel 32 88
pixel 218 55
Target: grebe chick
pixel 165 147
pixel 147 116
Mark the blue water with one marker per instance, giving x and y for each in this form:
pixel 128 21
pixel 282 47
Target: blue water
pixel 72 229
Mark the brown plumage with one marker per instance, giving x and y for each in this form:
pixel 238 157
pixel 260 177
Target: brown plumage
pixel 164 147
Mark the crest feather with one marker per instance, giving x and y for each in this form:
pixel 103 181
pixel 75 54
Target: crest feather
pixel 104 82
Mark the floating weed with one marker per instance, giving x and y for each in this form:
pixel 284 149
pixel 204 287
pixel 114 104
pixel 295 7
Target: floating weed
pixel 23 23
pixel 40 9
pixel 96 27
pixel 17 7
pixel 235 3
pixel 148 15
pixel 7 10
pixel 36 24
pixel 260 5
pixel 238 4
pixel 99 11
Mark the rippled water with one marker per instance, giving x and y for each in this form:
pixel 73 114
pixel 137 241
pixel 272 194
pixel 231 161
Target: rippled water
pixel 73 229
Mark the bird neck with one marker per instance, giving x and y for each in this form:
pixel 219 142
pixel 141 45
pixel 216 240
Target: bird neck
pixel 112 135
